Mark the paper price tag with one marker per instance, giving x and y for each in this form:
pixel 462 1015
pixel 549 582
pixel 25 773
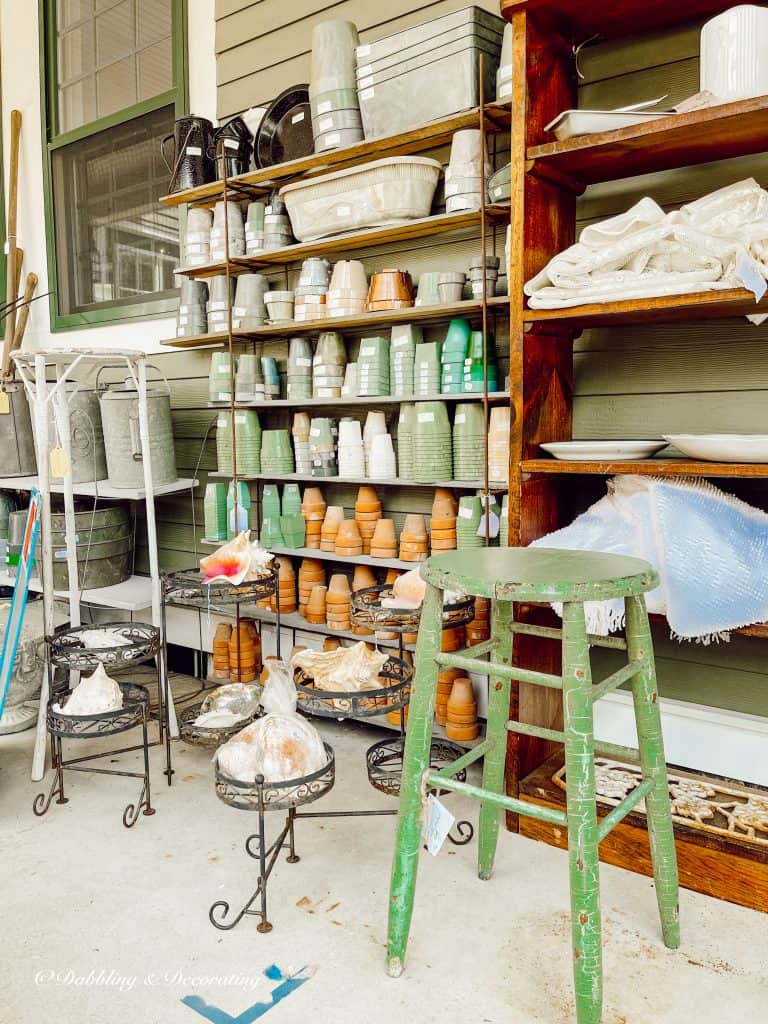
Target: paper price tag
pixel 426 417
pixel 325 124
pixel 5 403
pixel 59 462
pixel 221 423
pixel 750 275
pixel 303 361
pixel 365 83
pixel 465 513
pixel 298 118
pixel 341 211
pixel 194 151
pixel 240 419
pixel 493 526
pixel 324 107
pixel 231 144
pixel 438 823
pixel 461 417
pixel 368 350
pixel 367 94
pixel 364 50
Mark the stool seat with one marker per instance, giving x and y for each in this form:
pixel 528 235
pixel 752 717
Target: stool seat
pixel 540 574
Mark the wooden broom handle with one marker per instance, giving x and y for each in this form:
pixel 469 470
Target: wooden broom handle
pixel 21 324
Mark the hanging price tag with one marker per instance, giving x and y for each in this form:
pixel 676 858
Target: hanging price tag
pixel 5 403
pixel 59 462
pixel 493 526
pixel 438 824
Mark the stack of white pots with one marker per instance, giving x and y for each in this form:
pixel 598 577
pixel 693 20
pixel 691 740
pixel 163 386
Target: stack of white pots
pixel 249 311
pixel 463 176
pixel 233 228
pixel 348 290
pixel 351 452
pixel 196 250
pixel 328 365
pixel 312 289
pixel 336 120
pixel 375 425
pixel 504 74
pixel 220 296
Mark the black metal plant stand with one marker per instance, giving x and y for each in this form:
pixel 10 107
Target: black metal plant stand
pixel 260 796
pixel 133 713
pixel 186 589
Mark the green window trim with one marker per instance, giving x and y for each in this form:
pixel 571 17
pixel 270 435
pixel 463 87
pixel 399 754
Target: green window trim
pixel 178 96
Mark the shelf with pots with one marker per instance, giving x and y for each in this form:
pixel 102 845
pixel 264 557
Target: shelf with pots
pixel 327 403
pixel 417 140
pixel 432 314
pixel 307 478
pixel 370 238
pixel 647 467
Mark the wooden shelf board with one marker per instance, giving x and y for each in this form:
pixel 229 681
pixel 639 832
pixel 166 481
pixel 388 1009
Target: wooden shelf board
pixel 649 467
pixel 331 556
pixel 428 136
pixel 423 227
pixel 661 309
pixel 320 481
pixel 580 19
pixel 499 304
pixel 715 133
pixel 327 403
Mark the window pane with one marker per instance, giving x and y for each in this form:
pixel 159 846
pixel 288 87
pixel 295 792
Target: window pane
pixel 155 70
pixel 70 11
pixel 77 104
pixel 124 45
pixel 116 86
pixel 154 21
pixel 115 33
pixel 76 52
pixel 114 243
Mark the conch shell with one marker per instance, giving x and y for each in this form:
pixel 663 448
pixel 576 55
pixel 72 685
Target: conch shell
pixel 238 560
pixel 94 695
pixel 344 670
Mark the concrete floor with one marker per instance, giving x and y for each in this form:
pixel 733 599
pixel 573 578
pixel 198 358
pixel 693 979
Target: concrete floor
pixel 108 926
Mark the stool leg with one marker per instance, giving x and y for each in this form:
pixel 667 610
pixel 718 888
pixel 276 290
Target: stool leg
pixel 582 817
pixel 495 760
pixel 651 744
pixel 418 742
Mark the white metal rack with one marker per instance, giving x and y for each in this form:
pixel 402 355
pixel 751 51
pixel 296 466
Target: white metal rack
pixel 134 593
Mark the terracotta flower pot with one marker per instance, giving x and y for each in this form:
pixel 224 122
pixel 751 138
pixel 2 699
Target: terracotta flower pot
pixel 363 577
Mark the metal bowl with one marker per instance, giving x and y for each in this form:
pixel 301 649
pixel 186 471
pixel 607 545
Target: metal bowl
pixel 107 723
pixel 274 796
pixel 66 648
pixel 357 703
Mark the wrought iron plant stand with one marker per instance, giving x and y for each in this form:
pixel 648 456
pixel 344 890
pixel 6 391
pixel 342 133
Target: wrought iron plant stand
pixel 66 651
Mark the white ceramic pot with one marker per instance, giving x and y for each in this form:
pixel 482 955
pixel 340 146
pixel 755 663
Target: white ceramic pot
pixel 734 53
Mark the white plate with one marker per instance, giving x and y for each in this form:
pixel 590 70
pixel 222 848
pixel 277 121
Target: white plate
pixel 722 447
pixel 571 123
pixel 603 451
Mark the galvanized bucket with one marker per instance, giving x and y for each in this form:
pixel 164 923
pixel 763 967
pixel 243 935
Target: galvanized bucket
pixel 17 444
pixel 120 422
pixel 88 458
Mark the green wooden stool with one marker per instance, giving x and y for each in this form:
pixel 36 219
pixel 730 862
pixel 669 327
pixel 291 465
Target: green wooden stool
pixel 549 576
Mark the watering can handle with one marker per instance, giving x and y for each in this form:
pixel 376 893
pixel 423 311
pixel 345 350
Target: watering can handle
pixel 133 425
pixel 166 140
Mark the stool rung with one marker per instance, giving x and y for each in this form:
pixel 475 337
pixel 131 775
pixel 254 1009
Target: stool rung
pixel 465 760
pixel 509 803
pixel 616 643
pixel 617 750
pixel 612 818
pixel 554 735
pixel 491 668
pixel 613 681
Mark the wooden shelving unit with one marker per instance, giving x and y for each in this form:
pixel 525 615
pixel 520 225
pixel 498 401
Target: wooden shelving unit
pixel 499 305
pixel 335 403
pixel 546 177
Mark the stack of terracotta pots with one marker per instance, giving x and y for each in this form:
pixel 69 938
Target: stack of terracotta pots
pixel 348 540
pixel 442 526
pixel 363 578
pixel 334 517
pixel 414 539
pixel 338 603
pixel 384 540
pixel 313 509
pixel 445 680
pixel 331 643
pixel 367 515
pixel 311 573
pixel 286 586
pixel 316 605
pixel 221 651
pixel 461 723
pixel 454 638
pixel 479 629
pixel 244 653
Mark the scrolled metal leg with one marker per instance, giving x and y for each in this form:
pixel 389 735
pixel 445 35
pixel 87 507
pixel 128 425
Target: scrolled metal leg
pixel 42 802
pixel 293 857
pixel 221 908
pixel 465 830
pixel 132 811
pixel 263 925
pixel 164 696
